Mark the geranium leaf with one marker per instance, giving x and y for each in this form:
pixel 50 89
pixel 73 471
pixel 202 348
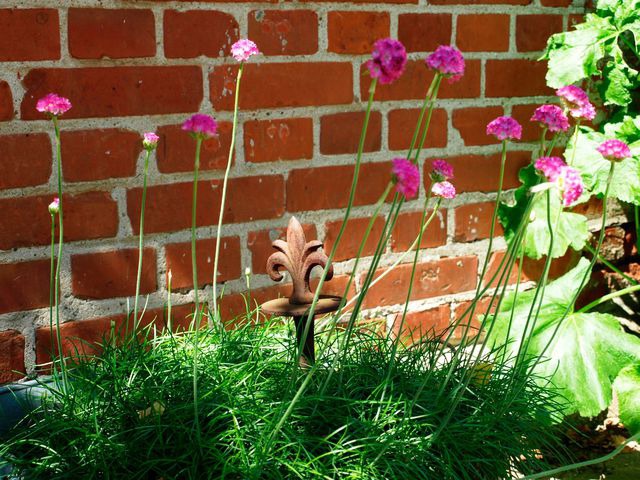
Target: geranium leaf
pixel 627 388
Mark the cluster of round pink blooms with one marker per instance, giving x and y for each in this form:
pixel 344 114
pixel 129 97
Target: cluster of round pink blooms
pixel 200 126
pixel 441 173
pixel 505 128
pixel 448 61
pixel 577 102
pixel 150 140
pixel 406 177
pixel 388 60
pixel 614 150
pixel 567 179
pixel 53 104
pixel 551 117
pixel 244 49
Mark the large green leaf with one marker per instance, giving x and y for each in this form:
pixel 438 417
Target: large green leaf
pixel 627 387
pixel 583 352
pixel 569 229
pixel 594 169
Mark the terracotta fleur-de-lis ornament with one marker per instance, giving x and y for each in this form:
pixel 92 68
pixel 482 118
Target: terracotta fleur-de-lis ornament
pixel 298 257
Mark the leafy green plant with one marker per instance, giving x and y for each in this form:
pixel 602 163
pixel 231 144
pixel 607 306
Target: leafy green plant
pixel 627 387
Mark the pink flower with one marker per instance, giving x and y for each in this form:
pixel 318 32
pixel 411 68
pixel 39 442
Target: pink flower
pixel 448 61
pixel 577 102
pixel 550 167
pixel 442 170
pixel 54 207
pixel 551 117
pixel 614 150
pixel 53 104
pixel 388 60
pixel 406 176
pixel 444 189
pixel 505 128
pixel 200 125
pixel 243 49
pixel 150 140
pixel 570 184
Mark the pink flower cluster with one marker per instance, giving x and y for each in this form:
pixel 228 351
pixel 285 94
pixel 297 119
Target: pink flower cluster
pixel 53 104
pixel 388 60
pixel 551 117
pixel 442 170
pixel 406 176
pixel 200 126
pixel 448 61
pixel 505 128
pixel 444 189
pixel 566 178
pixel 54 207
pixel 150 140
pixel 577 102
pixel 243 49
pixel 614 150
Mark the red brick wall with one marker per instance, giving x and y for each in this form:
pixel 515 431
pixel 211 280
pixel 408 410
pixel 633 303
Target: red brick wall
pixel 134 66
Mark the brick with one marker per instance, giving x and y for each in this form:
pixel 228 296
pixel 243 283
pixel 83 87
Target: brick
pixel 481 2
pixel 355 32
pixel 11 356
pixel 26 220
pixel 412 28
pixel 177 149
pixel 283 85
pixel 140 90
pixel 500 271
pixel 533 31
pixel 192 33
pixel 556 3
pixel 283 139
pixel 516 78
pixel 112 274
pixel 259 244
pixel 99 154
pixel 483 33
pixel 482 306
pixel 168 207
pixel 24 285
pixel 353 237
pixel 29 34
pixel 6 102
pixel 25 160
pixel 480 173
pixel 424 324
pixel 178 257
pixel 531 131
pixel 340 132
pixel 432 279
pixel 408 226
pixel 328 187
pixel 471 123
pixel 402 124
pixel 473 222
pixel 284 32
pixel 559 266
pixel 415 81
pixel 101 32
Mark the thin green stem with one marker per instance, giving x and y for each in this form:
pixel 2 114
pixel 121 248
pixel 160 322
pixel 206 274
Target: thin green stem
pixel 608 297
pixel 136 320
pixel 224 197
pixel 610 265
pixel 575 141
pixel 194 268
pixel 52 277
pixel 543 139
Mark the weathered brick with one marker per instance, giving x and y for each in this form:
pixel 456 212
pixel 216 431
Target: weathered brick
pixel 483 33
pixel 100 32
pixel 471 122
pixel 140 90
pixel 168 207
pixel 424 324
pixel 99 154
pixel 11 356
pixel 26 220
pixel 192 33
pixel 259 244
pixel 481 2
pixel 531 131
pixel 408 226
pixel 284 32
pixel 178 256
pixel 24 285
pixel 355 32
pixel 340 132
pixel 6 102
pixel 516 78
pixel 283 85
pixel 112 274
pixel 282 139
pixel 412 28
pixel 402 124
pixel 533 31
pixel 25 160
pixel 557 3
pixel 352 237
pixel 29 34
pixel 473 222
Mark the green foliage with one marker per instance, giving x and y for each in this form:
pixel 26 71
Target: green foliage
pixel 130 415
pixel 627 387
pixel 583 352
pixel 570 229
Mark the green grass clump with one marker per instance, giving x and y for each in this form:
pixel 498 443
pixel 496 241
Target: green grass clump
pixel 129 415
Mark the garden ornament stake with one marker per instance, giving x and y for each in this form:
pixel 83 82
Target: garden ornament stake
pixel 299 257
